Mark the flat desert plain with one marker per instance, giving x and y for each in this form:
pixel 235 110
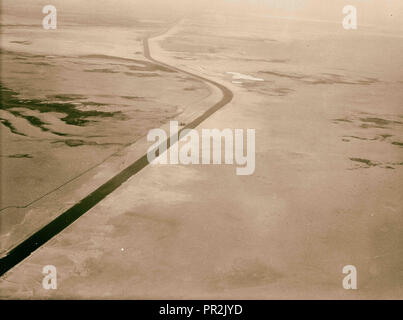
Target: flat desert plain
pixel 326 105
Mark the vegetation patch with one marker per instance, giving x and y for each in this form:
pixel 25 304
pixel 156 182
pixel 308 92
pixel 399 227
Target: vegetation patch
pixel 73 116
pixel 369 163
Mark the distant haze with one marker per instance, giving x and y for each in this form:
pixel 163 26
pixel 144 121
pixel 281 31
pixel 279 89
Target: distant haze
pixel 383 13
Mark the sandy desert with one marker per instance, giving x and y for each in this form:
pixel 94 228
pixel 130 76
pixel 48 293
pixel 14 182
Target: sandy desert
pixel 325 102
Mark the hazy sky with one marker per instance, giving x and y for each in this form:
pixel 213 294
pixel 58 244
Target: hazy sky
pixel 374 12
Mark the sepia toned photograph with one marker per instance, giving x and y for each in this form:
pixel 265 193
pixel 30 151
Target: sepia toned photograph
pixel 201 150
